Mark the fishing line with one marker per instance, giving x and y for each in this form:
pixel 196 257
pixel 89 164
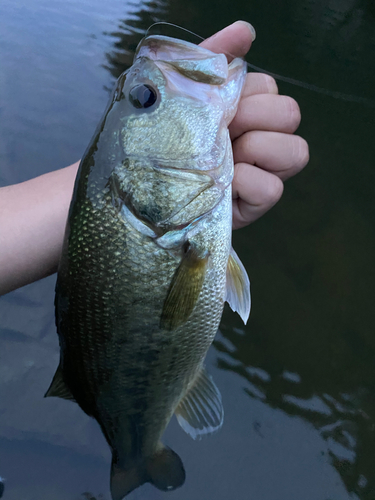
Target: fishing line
pixel 164 23
pixel 298 83
pixel 314 88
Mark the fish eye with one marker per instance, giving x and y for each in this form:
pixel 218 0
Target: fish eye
pixel 142 96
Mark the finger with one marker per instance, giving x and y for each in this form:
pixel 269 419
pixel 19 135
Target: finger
pixel 259 83
pixel 282 154
pixel 255 191
pixel 278 113
pixel 234 40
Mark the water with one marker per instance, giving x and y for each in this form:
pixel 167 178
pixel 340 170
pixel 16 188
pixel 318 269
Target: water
pixel 297 381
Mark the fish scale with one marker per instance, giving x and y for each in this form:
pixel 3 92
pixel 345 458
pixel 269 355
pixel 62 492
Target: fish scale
pixel 144 270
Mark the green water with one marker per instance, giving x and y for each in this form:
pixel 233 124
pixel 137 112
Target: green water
pixel 297 381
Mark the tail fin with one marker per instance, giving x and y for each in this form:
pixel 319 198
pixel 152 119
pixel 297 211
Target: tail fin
pixel 164 470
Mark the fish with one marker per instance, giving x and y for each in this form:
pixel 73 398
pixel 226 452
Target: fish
pixel 147 262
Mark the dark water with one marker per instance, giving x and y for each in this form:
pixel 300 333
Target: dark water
pixel 298 383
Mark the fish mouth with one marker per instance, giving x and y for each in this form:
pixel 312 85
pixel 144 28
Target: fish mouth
pixel 160 47
pixel 191 61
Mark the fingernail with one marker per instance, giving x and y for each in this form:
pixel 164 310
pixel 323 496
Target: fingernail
pixel 251 28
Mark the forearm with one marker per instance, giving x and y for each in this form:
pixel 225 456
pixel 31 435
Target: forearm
pixel 32 223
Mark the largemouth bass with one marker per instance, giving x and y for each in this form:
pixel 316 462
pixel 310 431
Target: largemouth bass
pixel 147 262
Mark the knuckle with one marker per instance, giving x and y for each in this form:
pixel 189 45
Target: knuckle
pixel 246 148
pixel 293 113
pixel 249 142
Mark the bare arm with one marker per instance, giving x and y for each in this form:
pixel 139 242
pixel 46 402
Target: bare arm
pixel 32 222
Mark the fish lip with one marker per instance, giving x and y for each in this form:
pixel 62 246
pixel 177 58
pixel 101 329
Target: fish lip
pixel 156 41
pixel 192 61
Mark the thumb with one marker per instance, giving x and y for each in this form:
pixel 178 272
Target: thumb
pixel 234 40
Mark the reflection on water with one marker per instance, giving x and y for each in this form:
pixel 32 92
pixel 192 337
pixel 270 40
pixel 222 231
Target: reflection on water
pixel 308 351
pixel 340 417
pixel 130 32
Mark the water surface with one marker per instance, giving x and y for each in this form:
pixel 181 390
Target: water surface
pixel 297 381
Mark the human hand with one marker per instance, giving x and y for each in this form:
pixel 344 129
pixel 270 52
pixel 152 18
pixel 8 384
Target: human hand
pixel 264 148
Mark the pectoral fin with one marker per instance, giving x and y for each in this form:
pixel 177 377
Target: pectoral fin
pixel 238 287
pixel 58 388
pixel 184 289
pixel 201 412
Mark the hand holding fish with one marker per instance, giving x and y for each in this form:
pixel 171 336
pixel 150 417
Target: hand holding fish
pixel 33 213
pixel 265 150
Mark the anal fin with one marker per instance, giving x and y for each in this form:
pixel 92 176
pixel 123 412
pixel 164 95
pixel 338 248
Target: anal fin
pixel 201 412
pixel 184 289
pixel 238 287
pixel 58 388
